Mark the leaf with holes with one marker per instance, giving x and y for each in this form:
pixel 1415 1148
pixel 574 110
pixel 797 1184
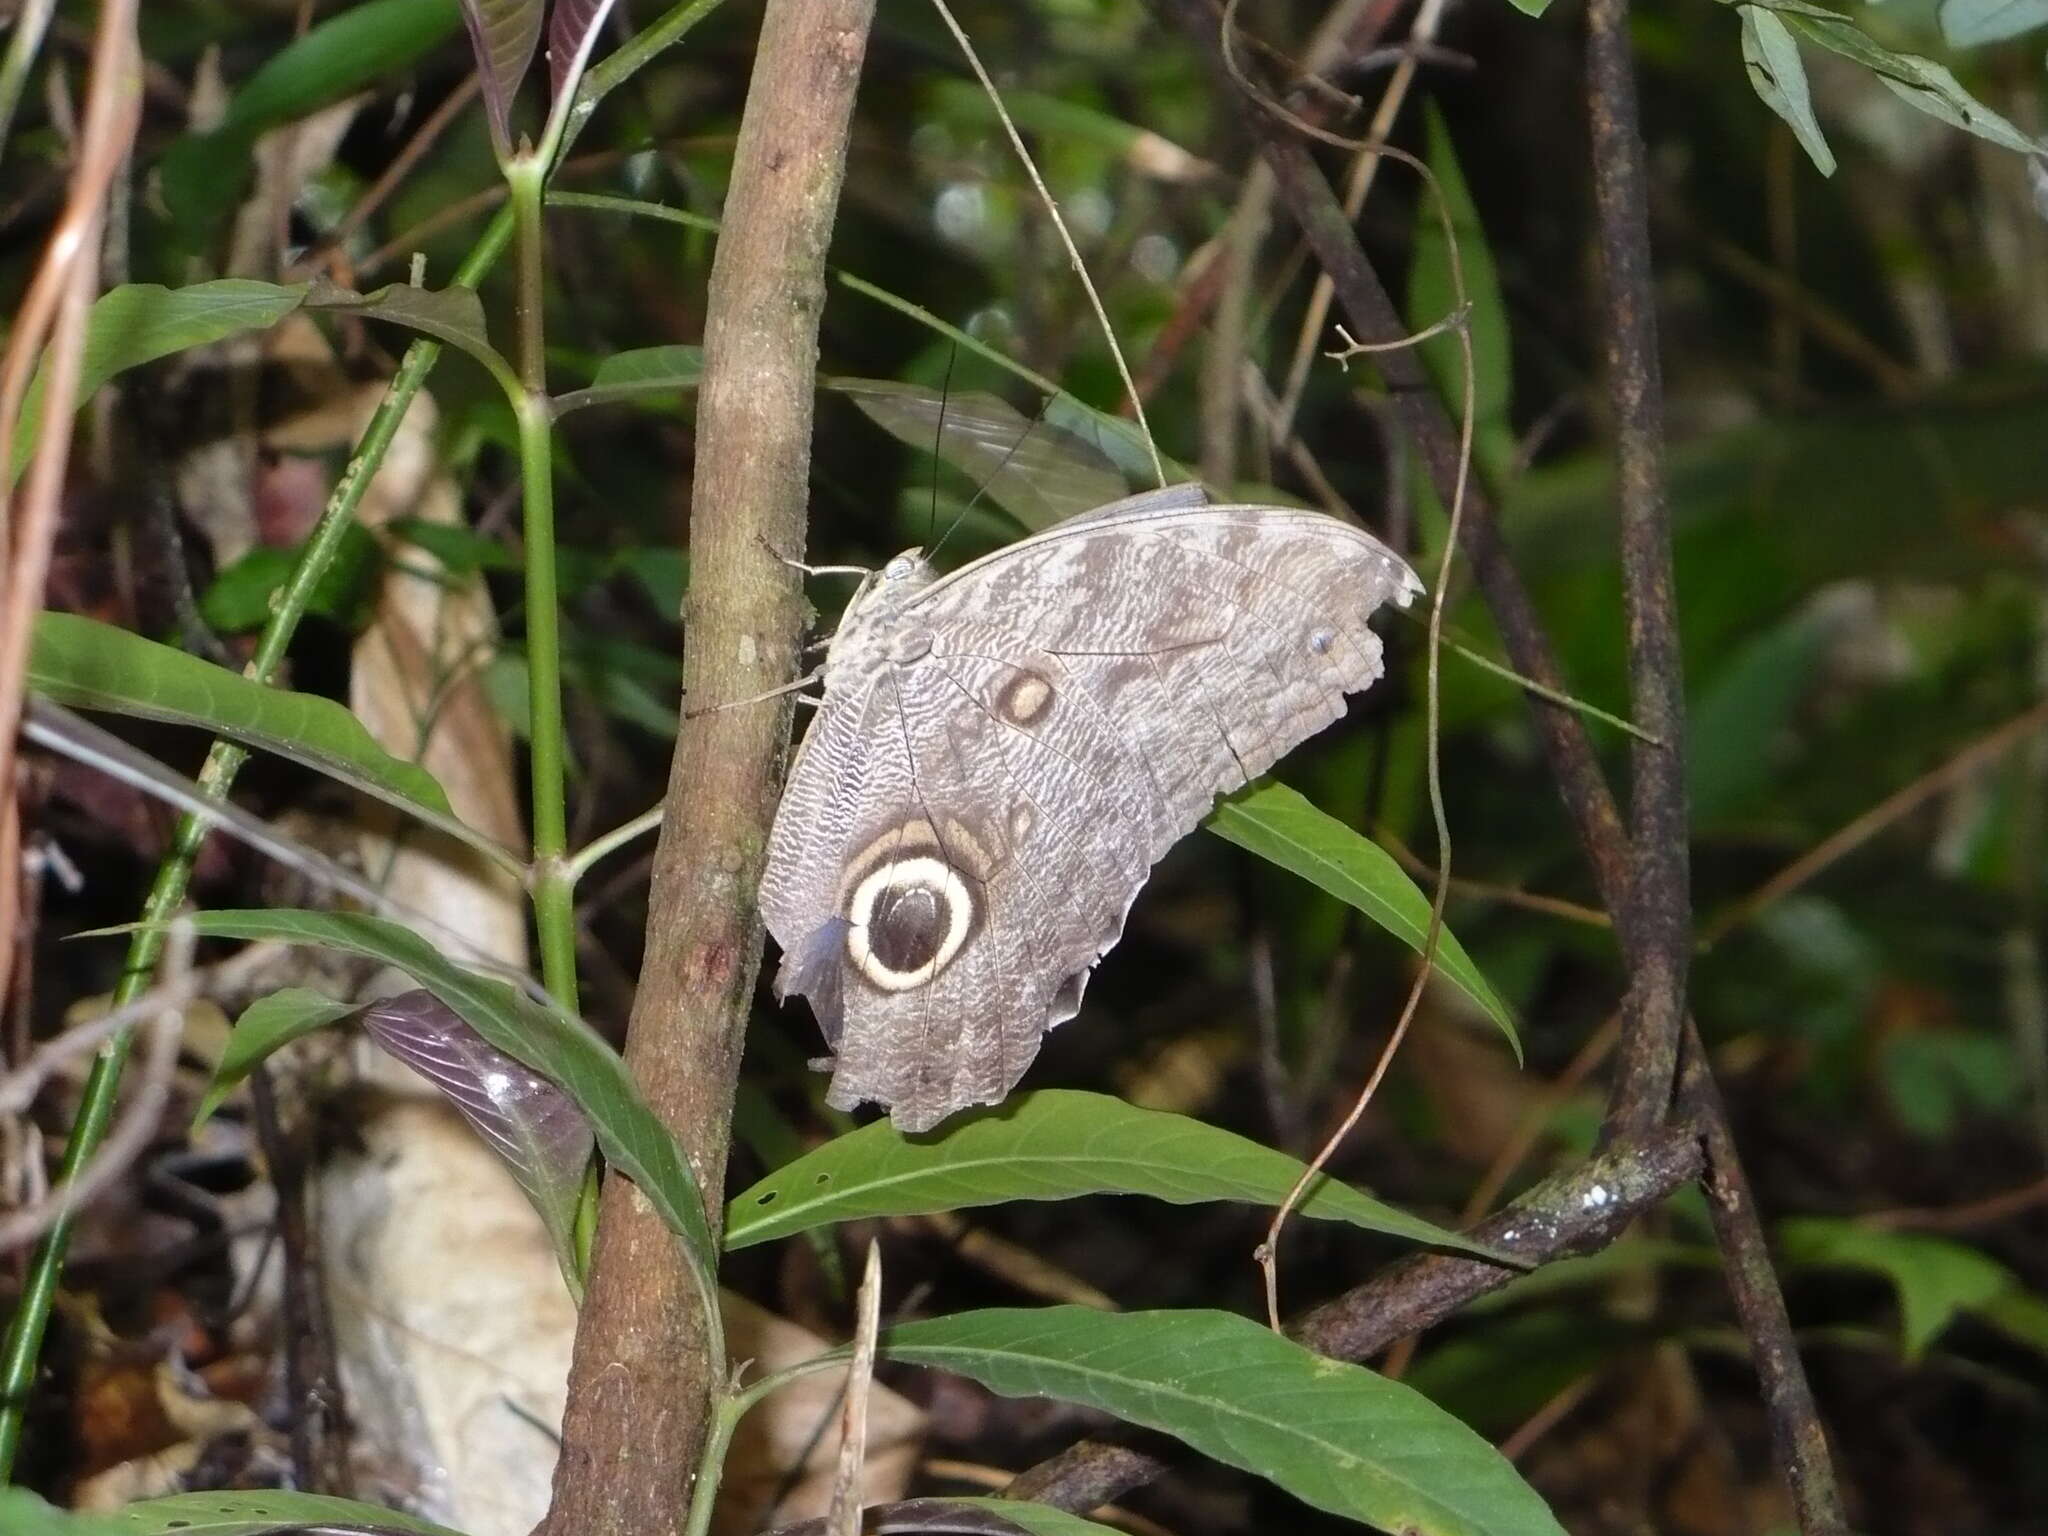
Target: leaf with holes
pixel 266 1026
pixel 1048 1144
pixel 1032 469
pixel 502 35
pixel 1336 1436
pixel 522 1116
pixel 1279 825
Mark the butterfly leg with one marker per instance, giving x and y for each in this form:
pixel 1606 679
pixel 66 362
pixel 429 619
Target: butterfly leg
pixel 760 698
pixel 813 570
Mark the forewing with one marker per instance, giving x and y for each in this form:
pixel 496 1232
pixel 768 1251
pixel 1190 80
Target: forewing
pixel 1214 638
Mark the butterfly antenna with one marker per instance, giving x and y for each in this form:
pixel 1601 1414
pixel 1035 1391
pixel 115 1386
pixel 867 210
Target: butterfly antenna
pixel 982 490
pixel 931 521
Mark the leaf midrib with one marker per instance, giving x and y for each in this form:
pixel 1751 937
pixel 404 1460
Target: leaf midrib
pixel 1182 1395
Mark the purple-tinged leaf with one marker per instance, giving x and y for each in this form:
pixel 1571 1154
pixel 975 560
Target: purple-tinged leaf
pixel 572 33
pixel 503 34
pixel 534 1126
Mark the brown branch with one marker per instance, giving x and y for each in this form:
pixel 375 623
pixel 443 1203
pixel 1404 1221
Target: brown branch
pixel 638 1377
pixel 1659 899
pixel 1797 1436
pixel 1574 1212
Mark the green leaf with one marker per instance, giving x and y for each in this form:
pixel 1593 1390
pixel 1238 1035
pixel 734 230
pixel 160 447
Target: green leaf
pixel 1935 1278
pixel 89 665
pixel 1920 82
pixel 453 315
pixel 1337 1436
pixel 544 1035
pixel 503 35
pixel 646 373
pixel 1771 56
pixel 1049 1144
pixel 1433 295
pixel 1973 23
pixel 362 45
pixel 138 323
pixel 1531 7
pixel 252 1512
pixel 1733 731
pixel 239 599
pixel 1279 825
pixel 267 1025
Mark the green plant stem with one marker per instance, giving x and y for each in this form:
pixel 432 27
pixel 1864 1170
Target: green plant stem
pixel 554 886
pixel 725 1418
pixel 167 893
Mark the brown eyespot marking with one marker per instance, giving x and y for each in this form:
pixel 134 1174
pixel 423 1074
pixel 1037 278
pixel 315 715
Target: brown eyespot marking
pixel 1025 699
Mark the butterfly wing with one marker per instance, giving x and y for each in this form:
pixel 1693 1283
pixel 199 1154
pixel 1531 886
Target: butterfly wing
pixel 965 831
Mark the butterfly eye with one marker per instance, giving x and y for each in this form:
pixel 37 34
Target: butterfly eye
pixel 900 567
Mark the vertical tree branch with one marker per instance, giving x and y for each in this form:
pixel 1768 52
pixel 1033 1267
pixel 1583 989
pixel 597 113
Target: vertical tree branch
pixel 1583 786
pixel 638 1400
pixel 1660 907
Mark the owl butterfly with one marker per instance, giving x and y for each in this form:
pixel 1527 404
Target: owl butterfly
pixel 1001 755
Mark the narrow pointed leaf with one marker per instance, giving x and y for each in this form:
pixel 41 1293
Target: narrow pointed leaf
pixel 1336 1436
pixel 1771 56
pixel 502 35
pixel 89 665
pixel 522 1116
pixel 238 1512
pixel 645 373
pixel 1049 1144
pixel 1036 471
pixel 1279 825
pixel 1433 293
pixel 138 323
pixel 543 1035
pixel 359 45
pixel 267 1025
pixel 1922 82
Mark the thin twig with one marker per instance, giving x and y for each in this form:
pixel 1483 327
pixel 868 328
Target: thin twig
pixel 19 1088
pixel 1268 1251
pixel 1364 171
pixel 55 308
pixel 392 177
pixel 1659 897
pixel 132 1131
pixel 1873 821
pixel 1052 209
